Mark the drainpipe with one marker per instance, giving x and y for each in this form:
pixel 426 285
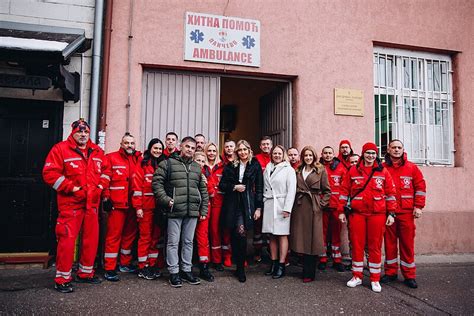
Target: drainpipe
pixel 105 73
pixel 130 37
pixel 96 62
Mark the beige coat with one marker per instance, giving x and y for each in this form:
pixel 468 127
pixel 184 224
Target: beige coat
pixel 312 194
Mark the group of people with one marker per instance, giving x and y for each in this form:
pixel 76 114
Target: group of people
pixel 172 197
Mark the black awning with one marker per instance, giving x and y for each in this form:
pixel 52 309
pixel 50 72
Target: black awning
pixel 41 51
pixel 20 41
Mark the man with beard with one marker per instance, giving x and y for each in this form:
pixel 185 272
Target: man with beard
pixel 411 195
pixel 122 219
pixel 331 224
pixel 228 152
pixel 294 157
pixel 345 152
pixel 200 142
pixel 74 168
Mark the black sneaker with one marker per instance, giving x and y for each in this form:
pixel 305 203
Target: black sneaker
pixel 156 272
pixel 63 288
pixel 388 278
pixel 146 274
pixel 240 274
pixel 339 267
pixel 91 280
pixel 190 278
pixel 411 283
pixel 111 275
pixel 175 280
pixel 218 267
pixel 205 274
pixel 322 266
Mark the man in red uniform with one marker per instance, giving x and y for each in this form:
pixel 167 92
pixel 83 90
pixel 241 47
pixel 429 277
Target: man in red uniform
pixel 74 168
pixel 171 144
pixel 122 219
pixel 263 158
pixel 411 192
pixel 294 157
pixel 345 152
pixel 331 224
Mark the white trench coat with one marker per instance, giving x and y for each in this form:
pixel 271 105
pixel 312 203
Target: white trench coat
pixel 279 190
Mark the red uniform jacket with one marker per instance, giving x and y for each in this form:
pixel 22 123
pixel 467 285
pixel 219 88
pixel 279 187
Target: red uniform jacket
pixel 378 196
pixel 142 197
pixel 409 183
pixel 213 177
pixel 345 163
pixel 66 168
pixel 336 171
pixel 263 159
pixel 120 169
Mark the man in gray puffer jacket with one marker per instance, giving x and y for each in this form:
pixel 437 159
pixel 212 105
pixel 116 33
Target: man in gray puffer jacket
pixel 181 191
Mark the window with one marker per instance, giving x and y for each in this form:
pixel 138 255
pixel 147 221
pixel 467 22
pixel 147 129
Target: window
pixel 413 98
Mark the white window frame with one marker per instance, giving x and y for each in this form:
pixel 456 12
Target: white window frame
pixel 431 110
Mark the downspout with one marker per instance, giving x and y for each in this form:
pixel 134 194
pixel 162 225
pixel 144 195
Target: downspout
pixel 96 62
pixel 130 37
pixel 105 73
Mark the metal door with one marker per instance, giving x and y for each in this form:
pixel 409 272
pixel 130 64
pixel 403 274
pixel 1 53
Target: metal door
pixel 275 115
pixel 185 103
pixel 28 130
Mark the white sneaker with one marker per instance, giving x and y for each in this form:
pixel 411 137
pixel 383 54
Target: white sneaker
pixel 354 282
pixel 376 287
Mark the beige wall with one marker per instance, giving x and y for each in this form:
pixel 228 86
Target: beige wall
pixel 326 44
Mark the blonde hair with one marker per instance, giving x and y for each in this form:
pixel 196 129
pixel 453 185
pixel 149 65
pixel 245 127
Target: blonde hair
pixel 236 156
pixel 285 155
pixel 218 159
pixel 199 153
pixel 316 165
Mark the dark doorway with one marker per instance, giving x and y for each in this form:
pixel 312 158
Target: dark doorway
pixel 28 130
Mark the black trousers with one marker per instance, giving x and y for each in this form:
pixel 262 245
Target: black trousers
pixel 309 266
pixel 239 242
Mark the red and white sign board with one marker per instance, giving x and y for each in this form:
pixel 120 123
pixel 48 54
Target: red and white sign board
pixel 222 39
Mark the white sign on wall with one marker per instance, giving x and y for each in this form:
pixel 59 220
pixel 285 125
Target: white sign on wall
pixel 222 39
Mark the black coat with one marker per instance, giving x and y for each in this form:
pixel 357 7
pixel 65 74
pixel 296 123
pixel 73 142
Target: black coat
pixel 246 202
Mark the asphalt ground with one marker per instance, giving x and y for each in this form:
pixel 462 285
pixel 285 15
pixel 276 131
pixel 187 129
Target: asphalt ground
pixel 443 289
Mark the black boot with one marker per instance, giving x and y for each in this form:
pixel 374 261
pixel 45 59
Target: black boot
pixel 205 274
pixel 280 271
pixel 240 274
pixel 273 267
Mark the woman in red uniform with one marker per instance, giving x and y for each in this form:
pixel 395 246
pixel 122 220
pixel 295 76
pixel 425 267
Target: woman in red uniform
pixel 371 190
pixel 144 203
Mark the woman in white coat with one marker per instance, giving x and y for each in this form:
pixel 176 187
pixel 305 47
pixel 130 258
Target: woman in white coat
pixel 279 193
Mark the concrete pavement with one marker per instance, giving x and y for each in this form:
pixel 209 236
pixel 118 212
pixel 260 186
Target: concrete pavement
pixel 444 288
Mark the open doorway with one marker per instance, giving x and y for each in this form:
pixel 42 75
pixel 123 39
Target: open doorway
pixel 219 107
pixel 252 108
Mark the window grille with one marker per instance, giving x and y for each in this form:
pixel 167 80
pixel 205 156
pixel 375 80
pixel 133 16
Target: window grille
pixel 414 103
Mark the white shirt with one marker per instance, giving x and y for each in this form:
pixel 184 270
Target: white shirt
pixel 306 173
pixel 241 171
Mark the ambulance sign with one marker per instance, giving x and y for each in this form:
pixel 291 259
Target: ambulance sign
pixel 222 39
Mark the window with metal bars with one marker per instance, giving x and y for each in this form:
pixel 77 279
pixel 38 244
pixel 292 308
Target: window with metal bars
pixel 413 99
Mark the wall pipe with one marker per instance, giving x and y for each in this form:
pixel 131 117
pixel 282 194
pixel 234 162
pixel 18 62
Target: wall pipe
pixel 129 80
pixel 96 63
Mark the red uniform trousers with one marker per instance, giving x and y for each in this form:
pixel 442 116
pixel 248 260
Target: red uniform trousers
pixel 156 254
pixel 145 234
pixel 68 226
pixel 202 238
pixel 220 238
pixel 402 231
pixel 121 233
pixel 367 228
pixel 332 222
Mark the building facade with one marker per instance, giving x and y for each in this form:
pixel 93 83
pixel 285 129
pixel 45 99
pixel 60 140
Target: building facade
pixel 410 63
pixel 45 80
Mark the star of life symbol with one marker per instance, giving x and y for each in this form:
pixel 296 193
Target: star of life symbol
pixel 379 183
pixel 197 36
pixel 406 183
pixel 248 42
pixel 72 164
